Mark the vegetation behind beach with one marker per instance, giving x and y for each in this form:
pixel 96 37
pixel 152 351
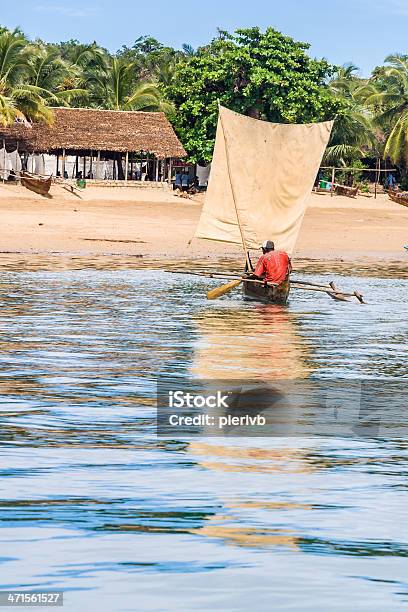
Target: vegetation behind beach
pixel 265 75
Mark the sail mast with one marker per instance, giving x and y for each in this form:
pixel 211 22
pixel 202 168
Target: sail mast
pixel 241 231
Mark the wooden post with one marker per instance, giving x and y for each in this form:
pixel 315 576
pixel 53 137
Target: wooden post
pixel 126 166
pixel 4 160
pixel 57 168
pixel 131 166
pixel 170 170
pixel 98 166
pixel 376 177
pixel 84 167
pixel 63 163
pixel 332 181
pixel 157 170
pixel 18 175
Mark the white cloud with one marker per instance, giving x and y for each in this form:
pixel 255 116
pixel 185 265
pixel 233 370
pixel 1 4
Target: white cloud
pixel 66 11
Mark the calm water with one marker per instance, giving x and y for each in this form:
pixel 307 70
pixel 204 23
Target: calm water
pixel 93 504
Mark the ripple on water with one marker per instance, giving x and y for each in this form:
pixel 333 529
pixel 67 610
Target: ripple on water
pixel 91 498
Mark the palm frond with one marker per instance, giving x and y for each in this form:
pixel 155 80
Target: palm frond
pixel 340 153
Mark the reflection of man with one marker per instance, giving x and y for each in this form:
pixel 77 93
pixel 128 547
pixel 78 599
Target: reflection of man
pixel 273 266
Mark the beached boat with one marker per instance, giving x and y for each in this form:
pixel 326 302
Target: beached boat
pixel 260 183
pixel 36 183
pixel 344 190
pixel 400 197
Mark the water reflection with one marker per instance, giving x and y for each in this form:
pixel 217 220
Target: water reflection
pixel 89 497
pixel 256 342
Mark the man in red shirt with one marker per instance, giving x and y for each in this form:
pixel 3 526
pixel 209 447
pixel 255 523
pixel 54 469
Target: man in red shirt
pixel 273 266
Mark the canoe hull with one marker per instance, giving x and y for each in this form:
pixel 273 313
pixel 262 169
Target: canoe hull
pixel 36 184
pixel 267 294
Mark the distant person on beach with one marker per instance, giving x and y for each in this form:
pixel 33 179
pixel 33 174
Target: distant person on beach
pixel 273 266
pixel 390 182
pixel 177 182
pixel 185 181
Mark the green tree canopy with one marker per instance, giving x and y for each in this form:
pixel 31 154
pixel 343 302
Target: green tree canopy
pixel 262 74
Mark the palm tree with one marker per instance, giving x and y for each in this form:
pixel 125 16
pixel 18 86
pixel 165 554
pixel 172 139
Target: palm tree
pixel 188 50
pixel 387 94
pixel 54 76
pixel 83 56
pixel 118 88
pixel 344 79
pixel 352 133
pixel 18 97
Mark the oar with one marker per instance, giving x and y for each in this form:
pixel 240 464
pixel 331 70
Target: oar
pixel 219 291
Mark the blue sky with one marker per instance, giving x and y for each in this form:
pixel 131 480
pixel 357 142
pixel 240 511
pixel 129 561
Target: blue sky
pixel 361 31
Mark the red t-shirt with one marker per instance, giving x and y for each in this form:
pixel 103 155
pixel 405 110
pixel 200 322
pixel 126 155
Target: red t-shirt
pixel 273 266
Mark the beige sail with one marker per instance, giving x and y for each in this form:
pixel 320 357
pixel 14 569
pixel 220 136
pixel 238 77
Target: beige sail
pixel 269 170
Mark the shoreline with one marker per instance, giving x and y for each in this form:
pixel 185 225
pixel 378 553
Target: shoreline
pixel 18 261
pixel 154 225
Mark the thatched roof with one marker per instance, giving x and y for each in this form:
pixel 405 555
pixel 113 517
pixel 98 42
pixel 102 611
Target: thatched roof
pixel 79 129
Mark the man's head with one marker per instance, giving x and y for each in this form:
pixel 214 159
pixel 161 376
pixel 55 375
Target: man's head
pixel 267 246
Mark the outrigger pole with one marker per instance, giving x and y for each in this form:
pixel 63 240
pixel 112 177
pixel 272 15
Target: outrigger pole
pixel 331 289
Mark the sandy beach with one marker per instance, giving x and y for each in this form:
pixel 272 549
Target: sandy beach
pixel 154 223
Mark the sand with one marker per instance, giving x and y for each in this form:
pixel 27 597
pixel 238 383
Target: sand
pixel 154 223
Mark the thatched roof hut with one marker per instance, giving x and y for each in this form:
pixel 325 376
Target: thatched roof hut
pixel 79 129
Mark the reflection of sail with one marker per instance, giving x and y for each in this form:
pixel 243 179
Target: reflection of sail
pixel 260 342
pixel 251 459
pixel 256 343
pixel 248 536
pixel 235 522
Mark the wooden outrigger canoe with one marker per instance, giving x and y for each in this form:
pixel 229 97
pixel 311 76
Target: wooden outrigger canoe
pixel 400 197
pixel 36 183
pixel 270 294
pixel 247 204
